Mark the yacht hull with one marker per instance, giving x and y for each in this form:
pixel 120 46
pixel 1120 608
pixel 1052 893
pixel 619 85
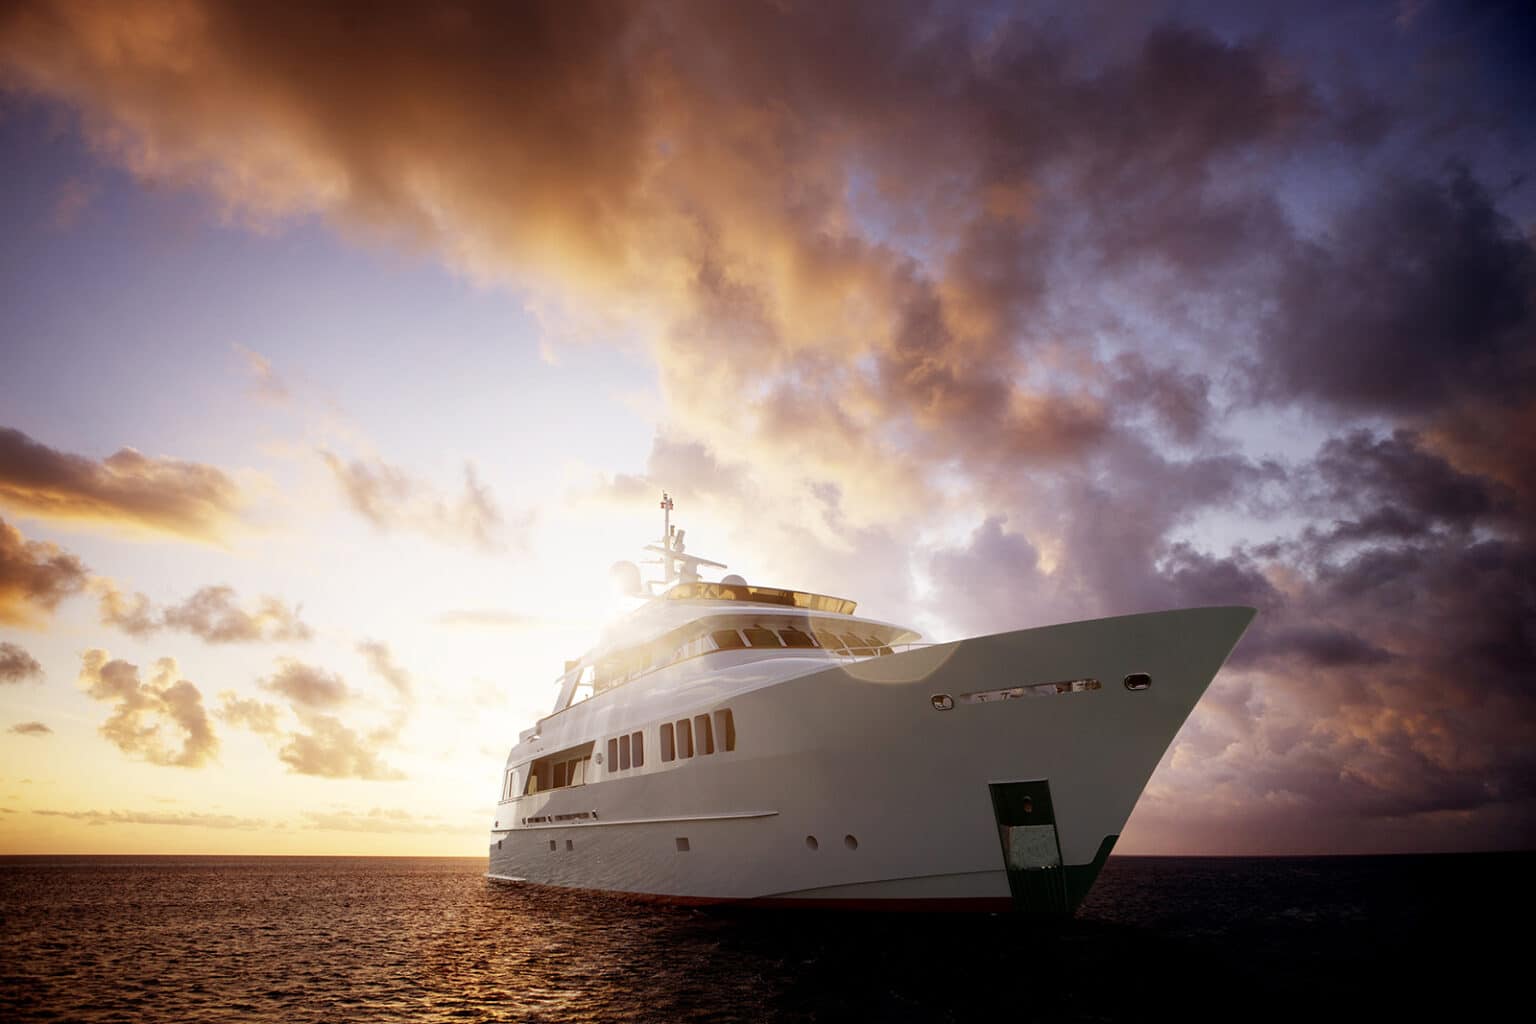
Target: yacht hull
pixel 888 783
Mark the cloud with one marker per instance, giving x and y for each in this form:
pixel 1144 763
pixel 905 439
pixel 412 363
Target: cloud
pixel 34 577
pixel 267 384
pixel 389 499
pixel 1422 293
pixel 16 665
pixel 307 686
pixel 331 750
pixel 73 199
pixel 322 744
pixel 257 716
pixel 193 819
pixel 378 819
pixel 146 715
pixel 30 729
pixel 211 614
pixel 127 489
pixel 1046 289
pixel 384 665
pixel 486 618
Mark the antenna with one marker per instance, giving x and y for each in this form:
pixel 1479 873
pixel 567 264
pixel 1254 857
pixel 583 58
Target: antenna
pixel 676 567
pixel 666 536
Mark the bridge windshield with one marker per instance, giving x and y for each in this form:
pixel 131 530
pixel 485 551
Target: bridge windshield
pixel 761 595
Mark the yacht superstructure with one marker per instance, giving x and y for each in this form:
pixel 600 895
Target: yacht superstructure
pixel 732 742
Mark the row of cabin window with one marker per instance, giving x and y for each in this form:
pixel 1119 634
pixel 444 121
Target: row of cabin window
pixel 645 659
pixel 626 751
pixel 678 741
pixel 789 636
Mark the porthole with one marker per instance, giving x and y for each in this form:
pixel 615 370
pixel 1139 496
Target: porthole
pixel 942 702
pixel 1138 681
pixel 811 843
pixel 851 842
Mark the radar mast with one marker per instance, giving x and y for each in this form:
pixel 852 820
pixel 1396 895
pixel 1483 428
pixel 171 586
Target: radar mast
pixel 676 565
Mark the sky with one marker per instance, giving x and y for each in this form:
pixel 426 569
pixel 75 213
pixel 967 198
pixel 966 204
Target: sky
pixel 343 348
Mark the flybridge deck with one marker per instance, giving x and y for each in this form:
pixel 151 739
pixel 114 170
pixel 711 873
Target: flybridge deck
pixel 692 618
pixel 761 595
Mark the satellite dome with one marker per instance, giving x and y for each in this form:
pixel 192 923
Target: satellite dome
pixel 625 577
pixel 734 580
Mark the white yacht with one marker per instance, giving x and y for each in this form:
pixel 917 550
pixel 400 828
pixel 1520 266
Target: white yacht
pixel 729 742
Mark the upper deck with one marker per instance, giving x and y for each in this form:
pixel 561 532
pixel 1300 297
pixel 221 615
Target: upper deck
pixel 692 618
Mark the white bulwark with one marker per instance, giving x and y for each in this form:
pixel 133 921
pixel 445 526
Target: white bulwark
pixel 735 743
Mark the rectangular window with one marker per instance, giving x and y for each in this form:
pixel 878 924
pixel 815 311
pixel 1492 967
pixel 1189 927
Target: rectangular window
pixel 757 636
pixel 684 738
pixel 637 746
pixel 578 771
pixel 727 639
pixel 613 755
pixel 793 637
pixel 705 734
pixel 668 746
pixel 725 729
pixel 854 644
pixel 560 774
pixel 623 752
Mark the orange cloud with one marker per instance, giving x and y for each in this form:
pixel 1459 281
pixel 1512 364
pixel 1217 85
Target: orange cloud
pixel 17 665
pixel 331 750
pixel 211 614
pixel 702 172
pixel 125 490
pixel 390 499
pixel 34 577
pixel 145 712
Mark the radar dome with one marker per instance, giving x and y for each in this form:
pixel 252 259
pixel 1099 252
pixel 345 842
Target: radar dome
pixel 625 578
pixel 734 580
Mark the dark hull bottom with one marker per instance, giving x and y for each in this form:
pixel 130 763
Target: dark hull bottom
pixel 968 905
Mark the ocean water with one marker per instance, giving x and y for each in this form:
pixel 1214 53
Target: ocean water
pixel 211 939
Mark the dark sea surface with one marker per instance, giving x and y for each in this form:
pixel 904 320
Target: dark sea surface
pixel 431 940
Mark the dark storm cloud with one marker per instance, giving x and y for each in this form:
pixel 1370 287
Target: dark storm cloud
pixel 146 714
pixel 126 489
pixel 1401 488
pixel 1422 294
pixel 390 499
pixel 16 665
pixel 212 614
